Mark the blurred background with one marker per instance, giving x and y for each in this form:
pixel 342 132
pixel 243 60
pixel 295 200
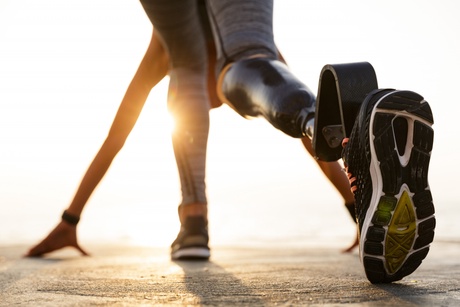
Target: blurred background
pixel 64 68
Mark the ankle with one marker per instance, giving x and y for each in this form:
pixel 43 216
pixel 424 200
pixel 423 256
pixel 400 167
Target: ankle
pixel 195 209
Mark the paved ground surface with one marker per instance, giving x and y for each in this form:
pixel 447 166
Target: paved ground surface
pixel 245 276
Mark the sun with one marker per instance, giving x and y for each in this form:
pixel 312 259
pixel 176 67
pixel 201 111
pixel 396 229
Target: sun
pixel 169 122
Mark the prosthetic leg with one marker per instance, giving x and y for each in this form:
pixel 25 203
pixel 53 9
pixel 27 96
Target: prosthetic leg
pixel 342 88
pixel 265 87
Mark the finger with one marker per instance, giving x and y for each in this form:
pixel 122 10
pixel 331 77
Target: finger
pixel 81 250
pixel 352 247
pixel 36 251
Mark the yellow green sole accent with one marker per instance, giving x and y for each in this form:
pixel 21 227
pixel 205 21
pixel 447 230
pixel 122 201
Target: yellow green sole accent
pixel 401 233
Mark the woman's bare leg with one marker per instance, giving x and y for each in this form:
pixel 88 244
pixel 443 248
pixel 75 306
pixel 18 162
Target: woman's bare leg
pixel 152 70
pixel 333 171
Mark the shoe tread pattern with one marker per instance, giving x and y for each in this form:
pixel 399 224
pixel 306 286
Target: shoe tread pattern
pixel 411 248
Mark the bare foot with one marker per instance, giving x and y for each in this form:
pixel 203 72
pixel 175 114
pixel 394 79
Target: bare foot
pixel 63 235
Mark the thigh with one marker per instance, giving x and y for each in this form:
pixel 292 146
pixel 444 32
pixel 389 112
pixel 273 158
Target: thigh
pixel 242 28
pixel 179 26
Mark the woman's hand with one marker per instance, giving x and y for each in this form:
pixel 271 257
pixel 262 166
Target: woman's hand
pixel 63 235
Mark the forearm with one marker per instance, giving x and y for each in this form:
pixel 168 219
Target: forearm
pixel 92 177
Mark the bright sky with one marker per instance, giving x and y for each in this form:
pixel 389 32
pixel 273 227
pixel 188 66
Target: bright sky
pixel 65 65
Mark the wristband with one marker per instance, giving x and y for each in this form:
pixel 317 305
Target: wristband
pixel 70 218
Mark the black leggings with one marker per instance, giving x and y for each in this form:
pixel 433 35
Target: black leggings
pixel 242 28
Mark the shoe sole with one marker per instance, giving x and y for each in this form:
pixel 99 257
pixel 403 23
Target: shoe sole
pixel 191 253
pixel 399 224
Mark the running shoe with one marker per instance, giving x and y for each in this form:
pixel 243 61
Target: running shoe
pixel 387 158
pixel 192 241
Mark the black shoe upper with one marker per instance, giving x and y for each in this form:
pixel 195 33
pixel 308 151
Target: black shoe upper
pixel 193 233
pixel 357 157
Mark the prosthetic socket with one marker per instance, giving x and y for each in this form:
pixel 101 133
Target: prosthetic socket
pixel 265 87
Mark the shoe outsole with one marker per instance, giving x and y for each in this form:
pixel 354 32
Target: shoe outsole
pixel 192 241
pixel 191 253
pixel 399 223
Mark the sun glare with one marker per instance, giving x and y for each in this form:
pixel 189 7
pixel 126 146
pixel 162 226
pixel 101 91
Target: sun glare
pixel 170 123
